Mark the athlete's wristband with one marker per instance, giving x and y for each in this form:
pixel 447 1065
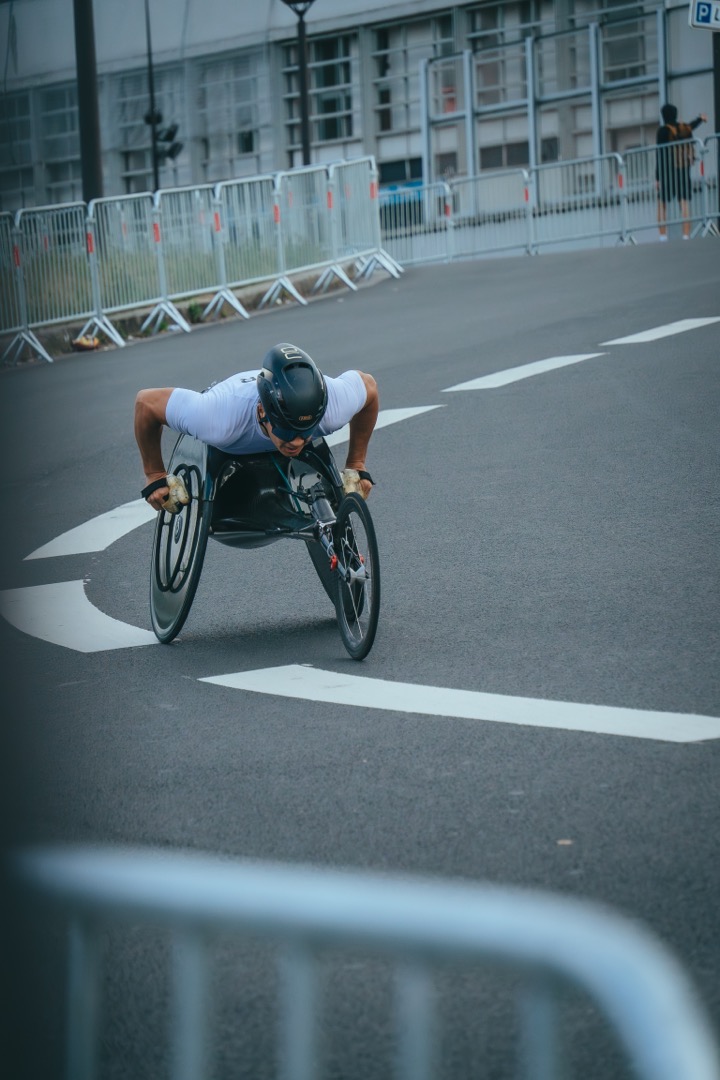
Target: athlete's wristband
pixel 146 491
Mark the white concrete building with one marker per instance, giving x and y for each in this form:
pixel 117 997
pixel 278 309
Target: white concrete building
pixel 430 88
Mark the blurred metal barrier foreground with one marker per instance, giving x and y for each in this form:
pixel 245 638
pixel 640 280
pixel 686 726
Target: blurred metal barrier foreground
pixel 422 927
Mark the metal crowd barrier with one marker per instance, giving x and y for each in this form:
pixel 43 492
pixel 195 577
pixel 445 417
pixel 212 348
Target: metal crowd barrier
pixel 414 221
pixel 116 255
pixel 493 210
pixel 421 927
pixel 711 191
pixel 248 243
pixel 125 256
pixel 13 302
pixel 65 263
pixel 612 199
pixel 577 201
pixel 301 216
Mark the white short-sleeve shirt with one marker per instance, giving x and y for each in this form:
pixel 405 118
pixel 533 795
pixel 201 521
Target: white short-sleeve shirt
pixel 225 416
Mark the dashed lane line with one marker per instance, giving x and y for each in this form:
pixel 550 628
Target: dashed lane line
pixel 312 684
pixel 385 418
pixel 511 375
pixel 658 332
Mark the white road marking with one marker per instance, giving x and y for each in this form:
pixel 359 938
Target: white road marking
pixel 62 614
pixel 662 331
pixel 98 533
pixel 511 375
pixel 312 684
pixel 386 417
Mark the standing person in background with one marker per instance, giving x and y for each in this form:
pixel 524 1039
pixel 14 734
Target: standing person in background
pixel 675 156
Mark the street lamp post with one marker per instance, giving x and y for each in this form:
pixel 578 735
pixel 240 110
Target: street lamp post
pixel 88 112
pixel 300 7
pixel 152 117
pixel 170 148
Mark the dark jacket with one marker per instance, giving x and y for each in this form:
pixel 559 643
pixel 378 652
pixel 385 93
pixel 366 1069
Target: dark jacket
pixel 668 133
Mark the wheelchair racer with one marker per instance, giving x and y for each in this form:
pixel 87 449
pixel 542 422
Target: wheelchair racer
pixel 279 407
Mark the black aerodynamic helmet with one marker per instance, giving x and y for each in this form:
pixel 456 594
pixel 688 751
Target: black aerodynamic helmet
pixel 292 391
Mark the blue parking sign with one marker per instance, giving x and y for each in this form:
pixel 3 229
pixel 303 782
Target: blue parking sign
pixel 705 14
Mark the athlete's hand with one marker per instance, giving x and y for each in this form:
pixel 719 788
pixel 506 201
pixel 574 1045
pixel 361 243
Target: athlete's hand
pixel 177 495
pixel 353 481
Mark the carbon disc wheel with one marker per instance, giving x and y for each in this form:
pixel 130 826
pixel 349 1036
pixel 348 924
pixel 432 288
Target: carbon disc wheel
pixel 178 553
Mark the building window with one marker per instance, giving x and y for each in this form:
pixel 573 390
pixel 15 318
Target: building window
pixel 400 172
pixel 514 155
pixel 563 62
pixel 228 120
pixel 16 171
pixel 60 143
pixel 446 165
pixel 398 50
pixel 132 103
pixel 133 133
pixel 330 85
pixel 497 38
pixel 625 47
pixel 549 149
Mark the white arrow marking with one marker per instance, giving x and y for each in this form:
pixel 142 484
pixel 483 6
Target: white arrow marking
pixel 62 614
pixel 98 533
pixel 298 681
pixel 662 331
pixel 511 375
pixel 385 418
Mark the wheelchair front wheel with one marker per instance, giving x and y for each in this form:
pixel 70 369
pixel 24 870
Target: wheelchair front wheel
pixel 357 576
pixel 177 558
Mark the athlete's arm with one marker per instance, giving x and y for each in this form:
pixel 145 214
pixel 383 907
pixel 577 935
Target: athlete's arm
pixel 150 406
pixel 361 428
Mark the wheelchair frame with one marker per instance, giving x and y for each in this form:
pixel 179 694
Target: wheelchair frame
pixel 248 501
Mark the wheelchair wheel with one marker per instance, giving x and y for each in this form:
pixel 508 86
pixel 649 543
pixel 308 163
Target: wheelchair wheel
pixel 179 548
pixel 357 592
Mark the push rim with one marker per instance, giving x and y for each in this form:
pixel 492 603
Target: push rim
pixel 178 555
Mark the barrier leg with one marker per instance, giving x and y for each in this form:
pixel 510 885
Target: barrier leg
pixel 15 348
pixel 282 285
pixel 165 310
pixel 224 296
pixel 103 326
pixel 379 260
pixel 322 283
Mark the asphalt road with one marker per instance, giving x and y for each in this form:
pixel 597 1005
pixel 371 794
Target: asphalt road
pixel 555 538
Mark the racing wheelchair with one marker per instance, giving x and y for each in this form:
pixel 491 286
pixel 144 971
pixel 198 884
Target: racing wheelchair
pixel 250 500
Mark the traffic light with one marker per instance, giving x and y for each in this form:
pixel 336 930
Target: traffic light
pixel 173 148
pixel 164 142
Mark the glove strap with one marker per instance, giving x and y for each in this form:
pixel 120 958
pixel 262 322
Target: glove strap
pixel 365 476
pixel 146 491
